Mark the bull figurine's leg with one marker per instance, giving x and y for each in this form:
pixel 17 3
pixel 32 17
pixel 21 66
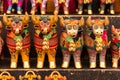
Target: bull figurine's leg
pixel 77 59
pixel 25 58
pixel 51 57
pixel 80 9
pixel 112 9
pixel 33 6
pixel 90 8
pixel 43 7
pixel 25 5
pixel 66 58
pixel 40 59
pixel 92 58
pixel 115 59
pixel 66 5
pixel 9 6
pixel 102 59
pixel 1 6
pixel 14 59
pixel 19 7
pixel 102 10
pixel 56 3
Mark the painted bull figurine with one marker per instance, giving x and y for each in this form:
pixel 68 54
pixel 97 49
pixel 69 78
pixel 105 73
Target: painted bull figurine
pixel 45 39
pixel 19 6
pixel 81 4
pixel 72 41
pixel 115 46
pixel 96 40
pixel 103 5
pixel 18 39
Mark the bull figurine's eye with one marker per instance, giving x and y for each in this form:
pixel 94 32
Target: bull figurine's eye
pixel 48 23
pixel 69 27
pixel 13 24
pixel 101 27
pixel 41 23
pixel 95 27
pixel 20 24
pixel 75 27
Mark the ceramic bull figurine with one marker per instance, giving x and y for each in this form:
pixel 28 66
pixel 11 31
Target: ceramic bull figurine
pixel 96 40
pixel 115 46
pixel 19 6
pixel 45 39
pixel 81 4
pixel 71 40
pixel 18 39
pixel 103 5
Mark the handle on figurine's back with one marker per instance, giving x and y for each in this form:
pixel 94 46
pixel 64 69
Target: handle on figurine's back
pixel 7 74
pixel 30 72
pixel 4 73
pixel 55 72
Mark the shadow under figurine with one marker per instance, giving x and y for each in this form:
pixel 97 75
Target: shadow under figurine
pixel 45 39
pixel 115 46
pixel 19 4
pixel 71 41
pixel 18 39
pixel 96 40
pixel 103 6
pixel 81 4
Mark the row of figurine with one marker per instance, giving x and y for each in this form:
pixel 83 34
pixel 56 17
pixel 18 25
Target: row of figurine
pixel 8 6
pixel 31 75
pixel 71 40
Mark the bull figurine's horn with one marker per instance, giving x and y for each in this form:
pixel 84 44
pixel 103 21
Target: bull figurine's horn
pixel 106 21
pixel 89 22
pixel 62 21
pixel 26 17
pixel 5 20
pixel 81 22
pixel 33 18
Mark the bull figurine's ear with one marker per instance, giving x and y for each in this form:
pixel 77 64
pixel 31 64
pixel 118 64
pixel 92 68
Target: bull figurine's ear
pixel 81 22
pixel 113 29
pixel 89 21
pixel 106 21
pixel 62 21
